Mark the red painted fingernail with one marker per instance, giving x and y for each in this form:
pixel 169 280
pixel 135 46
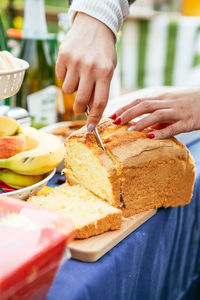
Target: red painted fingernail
pixel 117 121
pixel 151 135
pixel 113 116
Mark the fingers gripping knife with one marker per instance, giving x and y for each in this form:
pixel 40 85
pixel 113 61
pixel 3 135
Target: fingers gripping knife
pixel 100 144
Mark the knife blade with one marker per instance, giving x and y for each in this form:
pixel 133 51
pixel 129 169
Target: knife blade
pixel 96 133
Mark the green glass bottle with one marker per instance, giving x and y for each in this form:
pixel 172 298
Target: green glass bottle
pixel 3 46
pixel 38 92
pixel 3 42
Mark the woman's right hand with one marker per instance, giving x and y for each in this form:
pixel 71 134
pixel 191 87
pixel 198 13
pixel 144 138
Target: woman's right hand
pixel 86 62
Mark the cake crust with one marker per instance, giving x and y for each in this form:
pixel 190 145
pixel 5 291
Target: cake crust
pixel 110 222
pixel 150 173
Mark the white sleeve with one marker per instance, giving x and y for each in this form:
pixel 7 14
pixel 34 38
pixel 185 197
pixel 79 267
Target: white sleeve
pixel 110 12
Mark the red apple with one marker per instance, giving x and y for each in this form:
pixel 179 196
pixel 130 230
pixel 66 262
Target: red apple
pixel 11 145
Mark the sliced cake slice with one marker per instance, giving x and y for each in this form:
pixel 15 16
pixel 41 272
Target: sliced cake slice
pixel 88 165
pixel 89 214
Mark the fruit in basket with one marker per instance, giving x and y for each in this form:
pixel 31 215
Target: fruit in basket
pixel 18 181
pixel 12 145
pixel 44 157
pixel 8 126
pixel 8 61
pixel 4 188
pixel 11 140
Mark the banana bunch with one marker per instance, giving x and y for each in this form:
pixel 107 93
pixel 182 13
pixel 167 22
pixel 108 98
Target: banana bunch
pixel 18 181
pixel 46 155
pixel 42 154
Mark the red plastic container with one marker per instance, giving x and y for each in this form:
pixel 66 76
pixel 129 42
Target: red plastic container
pixel 32 244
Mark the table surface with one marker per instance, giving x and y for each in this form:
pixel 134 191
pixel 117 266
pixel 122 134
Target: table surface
pixel 158 261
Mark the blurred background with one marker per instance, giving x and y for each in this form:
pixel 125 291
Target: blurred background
pixel 159 44
pixel 12 12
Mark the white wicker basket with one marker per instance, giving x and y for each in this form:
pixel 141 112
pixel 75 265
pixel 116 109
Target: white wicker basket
pixel 11 80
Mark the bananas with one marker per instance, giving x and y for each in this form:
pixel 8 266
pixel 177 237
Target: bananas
pixel 18 181
pixel 47 153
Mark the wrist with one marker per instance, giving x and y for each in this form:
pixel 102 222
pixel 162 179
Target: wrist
pixel 88 23
pixel 110 12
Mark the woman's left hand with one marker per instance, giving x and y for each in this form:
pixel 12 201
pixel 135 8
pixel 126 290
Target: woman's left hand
pixel 169 113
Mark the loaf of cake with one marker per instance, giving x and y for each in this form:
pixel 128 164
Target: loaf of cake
pixel 8 61
pixel 89 214
pixel 135 173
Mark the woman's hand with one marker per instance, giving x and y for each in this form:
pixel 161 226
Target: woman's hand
pixel 86 62
pixel 169 113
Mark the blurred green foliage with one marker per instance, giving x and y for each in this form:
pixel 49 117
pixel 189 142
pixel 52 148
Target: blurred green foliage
pixel 50 3
pixel 52 6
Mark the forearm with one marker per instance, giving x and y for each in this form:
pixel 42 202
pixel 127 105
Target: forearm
pixel 109 12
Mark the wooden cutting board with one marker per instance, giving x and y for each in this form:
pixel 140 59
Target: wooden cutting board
pixel 90 250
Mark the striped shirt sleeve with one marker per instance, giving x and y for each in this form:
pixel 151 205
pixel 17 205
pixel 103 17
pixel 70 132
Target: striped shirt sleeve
pixel 109 12
pixel 129 1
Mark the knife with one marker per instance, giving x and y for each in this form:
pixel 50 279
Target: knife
pixel 96 133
